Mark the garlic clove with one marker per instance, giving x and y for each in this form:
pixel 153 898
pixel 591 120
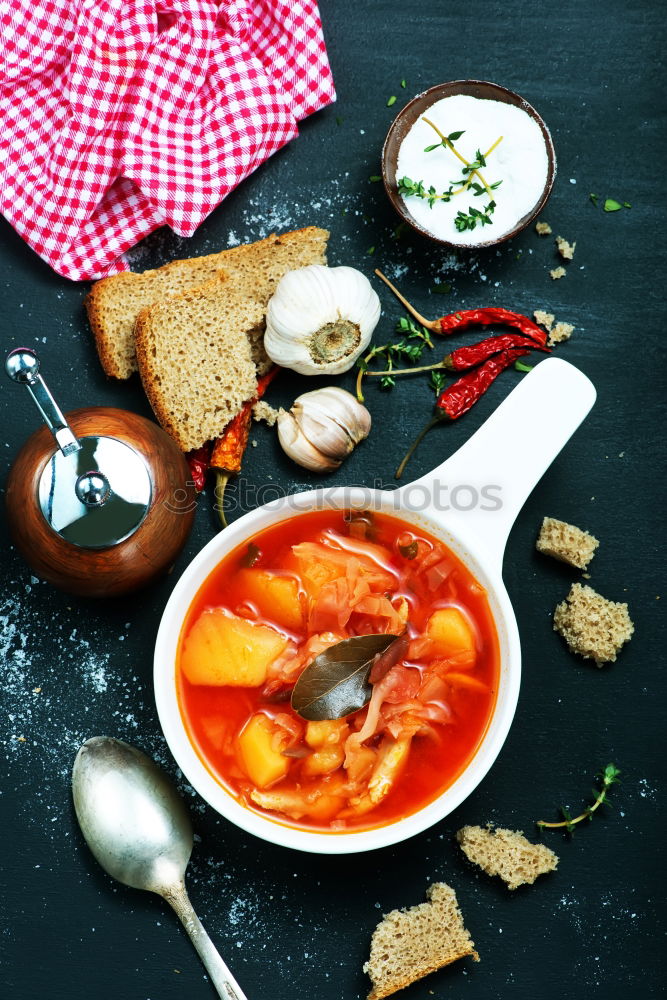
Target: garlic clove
pixel 296 446
pixel 323 427
pixel 333 419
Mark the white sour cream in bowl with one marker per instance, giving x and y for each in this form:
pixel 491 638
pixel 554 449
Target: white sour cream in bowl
pixel 468 163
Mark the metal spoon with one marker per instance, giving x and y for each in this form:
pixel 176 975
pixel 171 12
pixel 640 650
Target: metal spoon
pixel 137 827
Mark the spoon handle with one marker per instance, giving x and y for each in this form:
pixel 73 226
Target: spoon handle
pixel 220 976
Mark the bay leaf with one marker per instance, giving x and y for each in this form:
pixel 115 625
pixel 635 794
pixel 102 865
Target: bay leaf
pixel 336 684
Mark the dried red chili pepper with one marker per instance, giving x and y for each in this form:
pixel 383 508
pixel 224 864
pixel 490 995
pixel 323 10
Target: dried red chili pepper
pixel 469 356
pixel 458 397
pixel 483 317
pixel 474 354
pixel 227 451
pixel 465 318
pixel 199 461
pixel 461 395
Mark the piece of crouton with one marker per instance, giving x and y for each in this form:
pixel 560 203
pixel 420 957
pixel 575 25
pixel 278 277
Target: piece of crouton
pixel 591 625
pixel 408 944
pixel 264 411
pixel 566 542
pixel 544 318
pixel 558 272
pixel 559 333
pixel 543 229
pixel 506 853
pixel 565 249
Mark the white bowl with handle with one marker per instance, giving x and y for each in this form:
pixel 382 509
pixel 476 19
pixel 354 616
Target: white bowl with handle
pixel 484 485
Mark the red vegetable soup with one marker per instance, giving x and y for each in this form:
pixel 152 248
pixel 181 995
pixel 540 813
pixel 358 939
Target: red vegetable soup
pixel 297 589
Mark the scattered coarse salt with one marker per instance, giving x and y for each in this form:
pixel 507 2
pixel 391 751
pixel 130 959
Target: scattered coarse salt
pixel 519 161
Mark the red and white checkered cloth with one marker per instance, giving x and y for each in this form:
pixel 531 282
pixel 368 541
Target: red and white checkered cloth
pixel 119 116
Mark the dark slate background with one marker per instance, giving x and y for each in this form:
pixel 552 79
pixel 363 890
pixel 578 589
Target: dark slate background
pixel 297 926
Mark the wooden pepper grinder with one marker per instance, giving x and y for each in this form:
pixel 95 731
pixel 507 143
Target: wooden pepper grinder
pixel 109 508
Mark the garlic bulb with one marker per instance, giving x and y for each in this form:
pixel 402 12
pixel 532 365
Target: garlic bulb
pixel 320 319
pixel 322 428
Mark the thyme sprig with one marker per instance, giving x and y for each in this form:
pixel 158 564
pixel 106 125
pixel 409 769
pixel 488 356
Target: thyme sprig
pixel 415 339
pixel 608 776
pixel 474 217
pixel 471 170
pixel 416 189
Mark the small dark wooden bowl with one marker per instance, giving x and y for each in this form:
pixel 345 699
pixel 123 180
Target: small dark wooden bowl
pixel 416 108
pixel 146 554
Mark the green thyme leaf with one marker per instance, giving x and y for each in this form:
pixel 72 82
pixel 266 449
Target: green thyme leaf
pixel 392 100
pixel 429 149
pixel 370 250
pixel 611 205
pixel 594 199
pixel 437 382
pixel 443 288
pixel 474 217
pixel 520 367
pixel 403 84
pixel 374 178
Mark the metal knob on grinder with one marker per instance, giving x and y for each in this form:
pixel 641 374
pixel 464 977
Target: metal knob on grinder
pixel 109 507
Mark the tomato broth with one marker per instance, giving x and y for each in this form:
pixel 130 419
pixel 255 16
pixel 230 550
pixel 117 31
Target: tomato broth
pixel 276 602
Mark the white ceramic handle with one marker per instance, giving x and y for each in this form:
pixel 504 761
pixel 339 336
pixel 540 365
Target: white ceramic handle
pixel 487 481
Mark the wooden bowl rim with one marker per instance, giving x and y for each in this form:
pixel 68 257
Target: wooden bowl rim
pixel 409 114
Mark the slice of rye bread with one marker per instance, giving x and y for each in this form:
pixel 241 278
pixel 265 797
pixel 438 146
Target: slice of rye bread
pixel 198 353
pixel 195 361
pixel 506 853
pixel 409 944
pixel 113 304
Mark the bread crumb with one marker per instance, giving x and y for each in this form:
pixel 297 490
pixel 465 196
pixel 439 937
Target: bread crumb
pixel 544 318
pixel 543 229
pixel 565 249
pixel 558 272
pixel 566 542
pixel 560 332
pixel 506 853
pixel 408 944
pixel 264 411
pixel 592 626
